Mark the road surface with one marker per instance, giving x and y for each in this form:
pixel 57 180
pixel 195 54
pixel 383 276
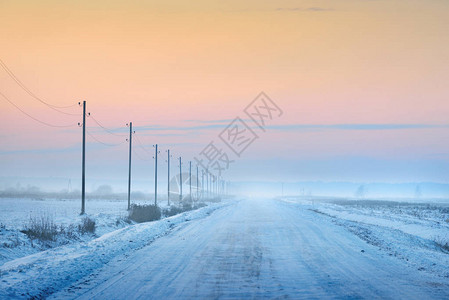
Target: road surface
pixel 257 249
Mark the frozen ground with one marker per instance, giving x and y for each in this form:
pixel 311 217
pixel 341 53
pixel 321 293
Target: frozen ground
pixel 15 214
pixel 251 248
pixel 417 233
pixel 43 273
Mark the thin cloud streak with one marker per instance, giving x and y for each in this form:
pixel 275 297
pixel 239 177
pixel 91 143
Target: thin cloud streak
pixel 183 128
pixel 42 151
pixel 368 127
pixel 291 127
pixel 205 125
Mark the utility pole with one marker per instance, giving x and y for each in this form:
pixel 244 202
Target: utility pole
pixel 180 179
pixel 155 176
pixel 83 177
pixel 168 176
pixel 213 185
pixel 197 185
pixel 202 184
pixel 129 168
pixel 190 180
pixel 207 183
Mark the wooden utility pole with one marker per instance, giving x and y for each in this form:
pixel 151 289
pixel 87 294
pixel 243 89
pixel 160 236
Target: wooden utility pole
pixel 168 176
pixel 180 179
pixel 207 183
pixel 197 185
pixel 129 167
pixel 202 184
pixel 83 176
pixel 190 179
pixel 155 176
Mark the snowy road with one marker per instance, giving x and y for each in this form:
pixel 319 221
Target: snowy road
pixel 258 249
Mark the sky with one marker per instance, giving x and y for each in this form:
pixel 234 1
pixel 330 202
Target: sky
pixel 362 86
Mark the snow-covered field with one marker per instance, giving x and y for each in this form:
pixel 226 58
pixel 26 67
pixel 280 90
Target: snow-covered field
pixel 239 249
pixel 57 267
pixel 417 233
pixel 16 213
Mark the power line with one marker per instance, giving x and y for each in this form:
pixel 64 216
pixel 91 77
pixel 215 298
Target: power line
pixel 29 92
pixel 141 145
pixel 104 128
pixel 106 144
pixel 30 116
pixel 140 157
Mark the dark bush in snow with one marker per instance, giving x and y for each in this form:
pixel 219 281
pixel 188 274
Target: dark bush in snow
pixel 186 206
pixel 172 210
pixel 122 221
pixel 214 199
pixel 87 226
pixel 144 213
pixel 199 205
pixel 42 228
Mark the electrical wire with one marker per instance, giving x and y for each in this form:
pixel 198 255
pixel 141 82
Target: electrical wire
pixel 35 119
pixel 19 83
pixel 106 144
pixel 141 145
pixel 138 155
pixel 104 128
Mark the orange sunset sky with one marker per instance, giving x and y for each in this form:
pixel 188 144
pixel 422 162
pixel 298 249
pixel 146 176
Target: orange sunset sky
pixel 363 86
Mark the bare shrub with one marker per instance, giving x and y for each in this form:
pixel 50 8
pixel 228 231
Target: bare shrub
pixel 41 227
pixel 122 221
pixel 186 206
pixel 87 226
pixel 172 210
pixel 70 232
pixel 199 205
pixel 144 213
pixel 214 199
pixel 11 239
